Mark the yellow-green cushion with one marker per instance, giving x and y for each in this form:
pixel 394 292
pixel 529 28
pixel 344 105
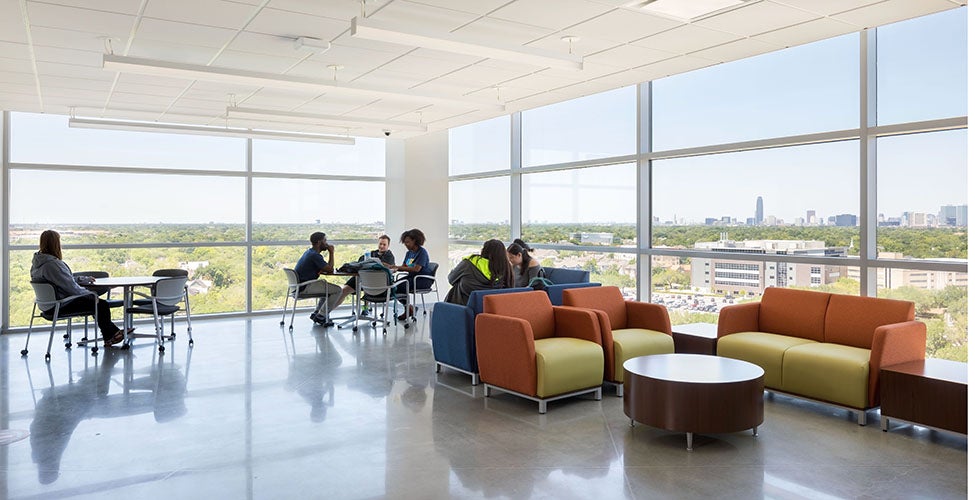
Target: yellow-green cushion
pixel 829 372
pixel 566 365
pixel 632 342
pixel 762 349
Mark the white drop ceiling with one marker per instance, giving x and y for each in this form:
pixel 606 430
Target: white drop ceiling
pixel 51 54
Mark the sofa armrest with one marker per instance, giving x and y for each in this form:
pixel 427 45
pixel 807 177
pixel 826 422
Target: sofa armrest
pixel 506 352
pixel 647 315
pixel 452 335
pixel 577 322
pixel 738 318
pixel 893 344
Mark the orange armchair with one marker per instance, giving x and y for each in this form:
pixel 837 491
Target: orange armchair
pixel 628 328
pixel 530 348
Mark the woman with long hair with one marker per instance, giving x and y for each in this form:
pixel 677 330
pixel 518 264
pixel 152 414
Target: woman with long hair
pixel 524 266
pixel 48 267
pixel 415 262
pixel 487 270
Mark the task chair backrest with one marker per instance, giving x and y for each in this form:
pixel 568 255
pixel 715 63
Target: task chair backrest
pixel 169 291
pixel 292 277
pixel 608 299
pixel 533 307
pixel 373 281
pixel 173 273
pixel 44 295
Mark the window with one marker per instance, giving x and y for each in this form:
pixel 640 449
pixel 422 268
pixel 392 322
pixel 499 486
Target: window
pixel 804 89
pixel 597 126
pixel 480 209
pixel 366 158
pixel 586 206
pixel 480 147
pixel 922 68
pixel 291 209
pixel 32 137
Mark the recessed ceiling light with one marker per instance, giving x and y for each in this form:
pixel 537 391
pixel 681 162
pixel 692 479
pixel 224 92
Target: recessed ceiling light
pixel 687 10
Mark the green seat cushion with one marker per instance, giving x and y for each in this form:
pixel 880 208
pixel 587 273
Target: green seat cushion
pixel 567 364
pixel 762 349
pixel 828 372
pixel 632 342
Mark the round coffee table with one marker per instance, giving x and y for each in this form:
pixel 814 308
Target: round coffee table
pixel 694 393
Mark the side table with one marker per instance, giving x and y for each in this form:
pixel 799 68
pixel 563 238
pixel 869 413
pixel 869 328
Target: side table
pixel 696 338
pixel 930 392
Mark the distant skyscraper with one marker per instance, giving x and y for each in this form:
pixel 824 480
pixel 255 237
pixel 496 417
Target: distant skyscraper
pixel 759 211
pixel 811 218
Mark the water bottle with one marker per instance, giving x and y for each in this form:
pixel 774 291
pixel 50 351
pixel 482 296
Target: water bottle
pixel 365 256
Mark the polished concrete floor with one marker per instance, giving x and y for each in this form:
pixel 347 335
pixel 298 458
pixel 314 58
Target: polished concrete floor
pixel 253 411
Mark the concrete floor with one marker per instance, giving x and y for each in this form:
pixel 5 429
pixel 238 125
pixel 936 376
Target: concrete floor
pixel 255 412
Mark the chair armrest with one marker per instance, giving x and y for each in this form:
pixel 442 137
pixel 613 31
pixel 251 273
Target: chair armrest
pixel 452 335
pixel 738 318
pixel 647 315
pixel 506 352
pixel 64 300
pixel 577 322
pixel 893 344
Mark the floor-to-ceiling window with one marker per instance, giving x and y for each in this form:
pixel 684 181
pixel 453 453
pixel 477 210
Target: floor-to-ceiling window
pixel 230 211
pixel 768 171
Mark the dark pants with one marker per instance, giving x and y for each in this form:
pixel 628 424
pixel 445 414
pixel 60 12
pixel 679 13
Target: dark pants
pixel 87 304
pixel 405 288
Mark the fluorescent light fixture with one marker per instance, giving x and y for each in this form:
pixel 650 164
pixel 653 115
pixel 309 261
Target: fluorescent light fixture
pixel 687 10
pixel 316 44
pixel 295 116
pixel 168 128
pixel 155 67
pixel 369 29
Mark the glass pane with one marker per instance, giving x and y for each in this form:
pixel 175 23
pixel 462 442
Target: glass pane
pixel 806 193
pixel 456 252
pixel 940 301
pixel 587 206
pixel 804 89
pixel 609 268
pixel 922 200
pixel 292 209
pixel 32 135
pixel 367 157
pixel 481 146
pixel 597 126
pixel 480 209
pixel 96 207
pixel 217 281
pixel 269 282
pixel 922 68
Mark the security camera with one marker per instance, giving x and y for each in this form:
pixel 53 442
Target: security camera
pixel 386 132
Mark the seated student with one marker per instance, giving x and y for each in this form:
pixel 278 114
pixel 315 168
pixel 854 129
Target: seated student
pixel 488 270
pixel 309 267
pixel 523 265
pixel 48 267
pixel 383 253
pixel 416 262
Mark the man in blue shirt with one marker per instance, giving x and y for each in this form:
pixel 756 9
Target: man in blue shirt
pixel 309 267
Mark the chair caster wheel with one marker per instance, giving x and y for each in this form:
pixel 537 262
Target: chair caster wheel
pixel 65 336
pixel 355 329
pixel 282 323
pixel 67 345
pixel 191 342
pixel 94 351
pixel 172 336
pixel 23 352
pixel 125 347
pixel 162 349
pixel 47 358
pixel 291 328
pixel 406 325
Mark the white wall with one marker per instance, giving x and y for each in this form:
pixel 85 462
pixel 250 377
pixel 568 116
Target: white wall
pixel 417 194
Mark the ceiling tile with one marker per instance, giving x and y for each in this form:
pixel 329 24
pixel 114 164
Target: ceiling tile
pixel 410 16
pixel 685 39
pixel 171 51
pixel 129 7
pixel 582 47
pixel 190 34
pixel 818 29
pixel 622 26
pixel 292 25
pixel 551 15
pixel 479 7
pixel 673 66
pixel 71 18
pixel 15 65
pixel 756 18
pixel 12 23
pixel 73 71
pixel 491 31
pixel 342 10
pixel 68 56
pixel 628 56
pixel 827 7
pixel 891 11
pixel 75 83
pixel 739 49
pixel 217 13
pixel 271 45
pixel 254 62
pixel 81 40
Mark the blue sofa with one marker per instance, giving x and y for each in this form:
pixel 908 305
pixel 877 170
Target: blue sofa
pixel 563 279
pixel 452 332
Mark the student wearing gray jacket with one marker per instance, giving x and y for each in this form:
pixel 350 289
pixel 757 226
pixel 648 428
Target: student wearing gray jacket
pixel 48 267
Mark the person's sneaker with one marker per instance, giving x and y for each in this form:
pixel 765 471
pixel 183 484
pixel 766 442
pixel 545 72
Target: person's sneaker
pixel 318 318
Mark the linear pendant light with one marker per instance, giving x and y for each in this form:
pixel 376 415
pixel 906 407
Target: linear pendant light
pixel 295 116
pixel 169 128
pixel 155 67
pixel 370 29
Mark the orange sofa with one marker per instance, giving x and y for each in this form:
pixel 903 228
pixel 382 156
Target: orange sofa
pixel 822 346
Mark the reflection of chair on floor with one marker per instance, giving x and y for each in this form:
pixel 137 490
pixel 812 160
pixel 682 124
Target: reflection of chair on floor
pixel 48 306
pixel 312 375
